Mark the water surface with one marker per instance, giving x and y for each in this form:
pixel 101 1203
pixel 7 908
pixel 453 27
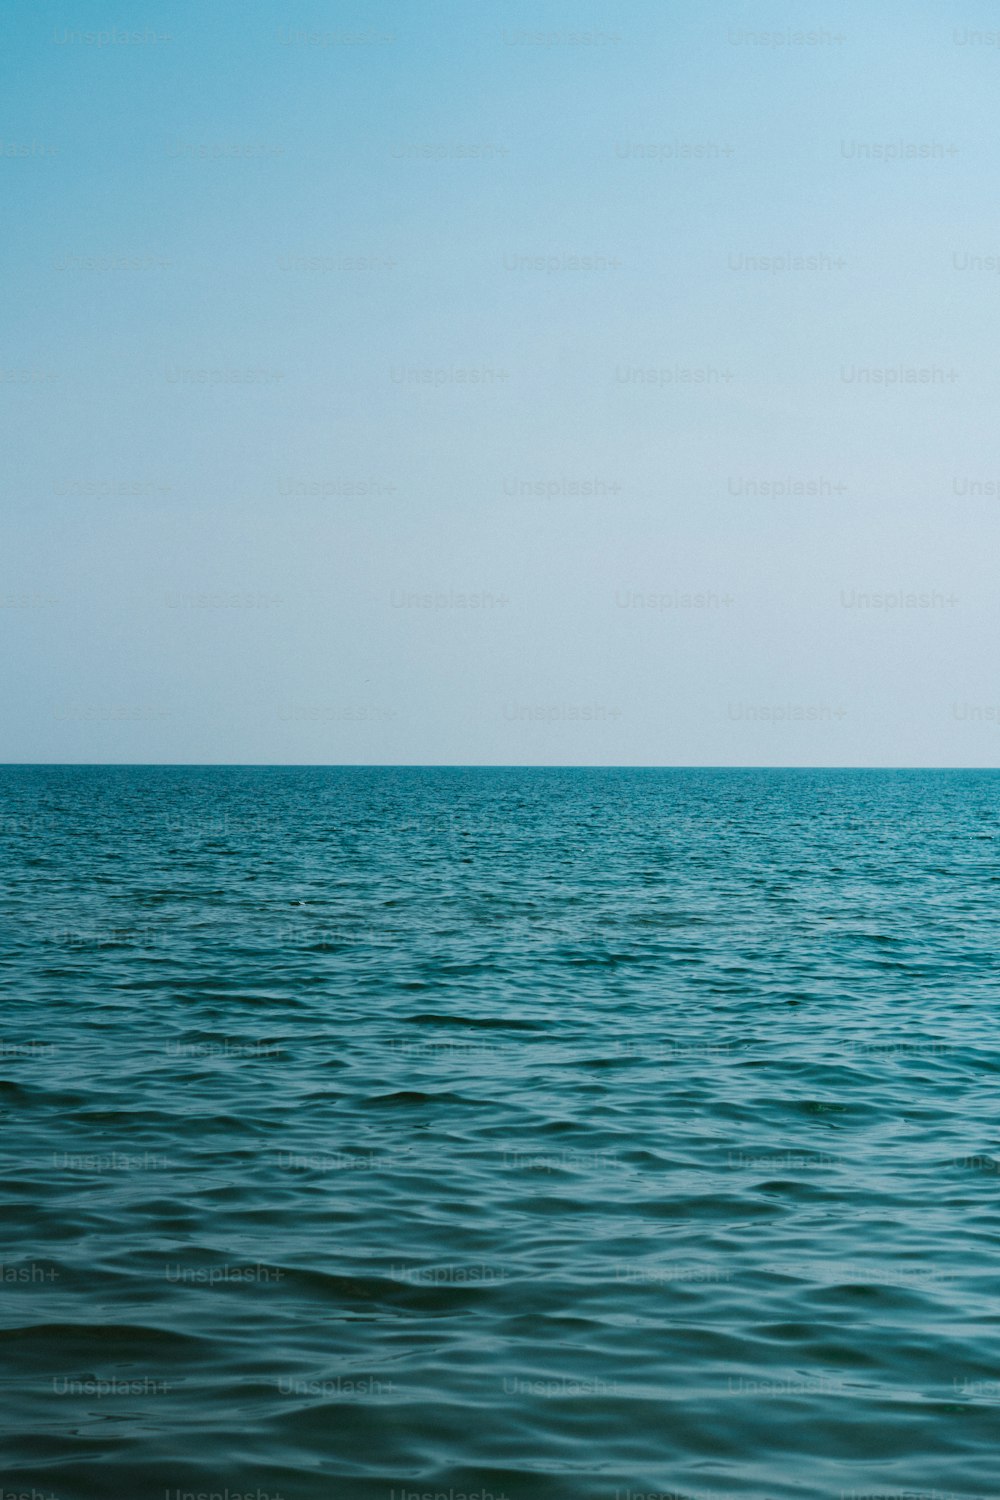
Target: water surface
pixel 553 1134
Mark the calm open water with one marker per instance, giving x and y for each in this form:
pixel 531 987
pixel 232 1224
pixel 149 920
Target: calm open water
pixel 548 1134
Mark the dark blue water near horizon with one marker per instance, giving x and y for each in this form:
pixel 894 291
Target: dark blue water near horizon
pixel 548 1134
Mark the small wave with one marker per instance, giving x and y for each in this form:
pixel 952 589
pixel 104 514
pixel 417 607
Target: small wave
pixel 485 1023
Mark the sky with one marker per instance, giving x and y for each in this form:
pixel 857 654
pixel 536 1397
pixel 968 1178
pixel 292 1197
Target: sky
pixel 600 383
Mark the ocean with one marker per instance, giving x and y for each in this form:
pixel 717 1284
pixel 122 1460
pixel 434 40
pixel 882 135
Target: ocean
pixel 548 1134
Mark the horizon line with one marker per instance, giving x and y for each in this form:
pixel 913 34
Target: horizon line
pixel 279 765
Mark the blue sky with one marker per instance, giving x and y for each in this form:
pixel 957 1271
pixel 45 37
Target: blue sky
pixel 418 384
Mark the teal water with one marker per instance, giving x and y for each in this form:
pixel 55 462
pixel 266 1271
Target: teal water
pixel 532 1133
